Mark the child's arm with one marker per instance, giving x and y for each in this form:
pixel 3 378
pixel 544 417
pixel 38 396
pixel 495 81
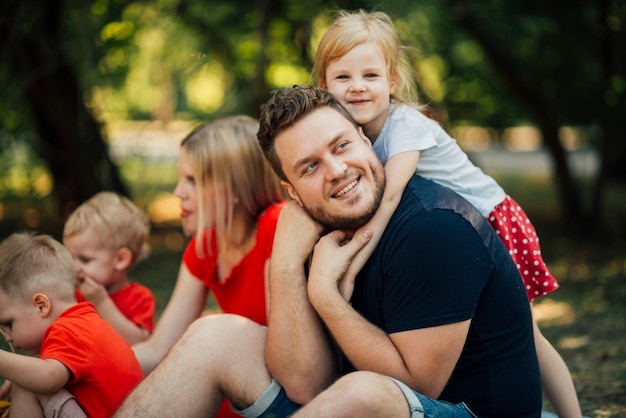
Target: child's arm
pixel 97 294
pixel 41 376
pixel 398 171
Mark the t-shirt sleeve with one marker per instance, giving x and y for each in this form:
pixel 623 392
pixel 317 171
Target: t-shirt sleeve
pixel 68 348
pixel 140 307
pixel 411 131
pixel 203 268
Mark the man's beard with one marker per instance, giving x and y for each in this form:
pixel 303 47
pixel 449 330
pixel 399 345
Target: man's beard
pixel 354 220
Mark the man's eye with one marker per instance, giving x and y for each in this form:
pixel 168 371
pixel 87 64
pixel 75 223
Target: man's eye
pixel 310 167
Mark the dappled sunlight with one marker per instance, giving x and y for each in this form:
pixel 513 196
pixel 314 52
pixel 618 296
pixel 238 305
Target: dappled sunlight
pixel 570 343
pixel 551 313
pixel 165 207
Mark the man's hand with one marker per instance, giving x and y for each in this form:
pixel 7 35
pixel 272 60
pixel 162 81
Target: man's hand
pixel 331 258
pixel 296 234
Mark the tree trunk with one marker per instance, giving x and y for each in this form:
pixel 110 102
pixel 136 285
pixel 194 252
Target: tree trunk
pixel 70 140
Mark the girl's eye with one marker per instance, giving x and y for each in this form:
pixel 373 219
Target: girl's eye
pixel 371 75
pixel 83 259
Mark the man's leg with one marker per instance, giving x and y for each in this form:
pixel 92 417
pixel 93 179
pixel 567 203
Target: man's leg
pixel 367 394
pixel 361 394
pixel 219 355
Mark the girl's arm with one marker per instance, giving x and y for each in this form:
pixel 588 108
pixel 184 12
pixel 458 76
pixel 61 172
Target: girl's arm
pixel 185 305
pixel 398 171
pixel 41 376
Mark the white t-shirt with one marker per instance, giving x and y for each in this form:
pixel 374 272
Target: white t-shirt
pixel 441 158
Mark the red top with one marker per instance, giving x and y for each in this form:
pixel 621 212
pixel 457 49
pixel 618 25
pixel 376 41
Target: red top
pixel 103 365
pixel 243 291
pixel 136 302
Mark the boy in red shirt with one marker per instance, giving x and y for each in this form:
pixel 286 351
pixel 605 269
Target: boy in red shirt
pixel 108 235
pixel 85 368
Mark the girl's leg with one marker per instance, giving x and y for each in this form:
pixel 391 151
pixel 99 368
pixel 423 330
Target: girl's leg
pixel 556 380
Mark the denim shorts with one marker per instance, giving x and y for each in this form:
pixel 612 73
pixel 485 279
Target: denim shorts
pixel 273 403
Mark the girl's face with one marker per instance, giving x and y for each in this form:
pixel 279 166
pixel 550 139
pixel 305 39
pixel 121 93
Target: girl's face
pixel 359 80
pixel 186 191
pixel 93 258
pixel 22 324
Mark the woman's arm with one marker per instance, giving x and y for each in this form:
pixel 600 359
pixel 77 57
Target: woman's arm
pixel 398 171
pixel 185 305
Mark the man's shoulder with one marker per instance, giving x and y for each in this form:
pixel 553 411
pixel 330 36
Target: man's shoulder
pixel 435 196
pixel 424 195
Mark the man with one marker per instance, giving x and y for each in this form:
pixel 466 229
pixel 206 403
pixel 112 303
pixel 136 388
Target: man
pixel 438 322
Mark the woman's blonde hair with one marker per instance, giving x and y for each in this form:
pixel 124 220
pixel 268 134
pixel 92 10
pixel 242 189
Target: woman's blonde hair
pixel 32 263
pixel 352 29
pixel 117 221
pixel 228 164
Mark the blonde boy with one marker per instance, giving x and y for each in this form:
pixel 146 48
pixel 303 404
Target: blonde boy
pixel 84 366
pixel 108 235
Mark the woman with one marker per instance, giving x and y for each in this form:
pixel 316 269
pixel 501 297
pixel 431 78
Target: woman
pixel 230 202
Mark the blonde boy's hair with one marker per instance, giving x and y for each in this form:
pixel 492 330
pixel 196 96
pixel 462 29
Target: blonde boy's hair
pixel 36 263
pixel 229 168
pixel 352 29
pixel 117 221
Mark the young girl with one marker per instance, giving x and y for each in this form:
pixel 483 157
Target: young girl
pixel 107 235
pixel 360 61
pixel 230 202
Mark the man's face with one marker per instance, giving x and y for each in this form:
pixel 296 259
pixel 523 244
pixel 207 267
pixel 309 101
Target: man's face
pixel 331 168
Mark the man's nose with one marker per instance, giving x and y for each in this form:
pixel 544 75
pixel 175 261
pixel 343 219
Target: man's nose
pixel 336 168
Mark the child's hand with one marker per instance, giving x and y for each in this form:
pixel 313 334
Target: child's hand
pixel 92 291
pixel 332 256
pixel 5 389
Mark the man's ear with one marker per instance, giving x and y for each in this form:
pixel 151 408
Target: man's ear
pixel 291 191
pixel 365 138
pixel 42 304
pixel 123 258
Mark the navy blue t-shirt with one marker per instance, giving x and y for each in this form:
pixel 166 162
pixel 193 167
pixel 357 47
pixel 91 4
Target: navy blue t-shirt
pixel 440 262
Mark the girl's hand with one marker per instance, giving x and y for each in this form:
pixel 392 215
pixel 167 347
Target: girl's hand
pixel 331 258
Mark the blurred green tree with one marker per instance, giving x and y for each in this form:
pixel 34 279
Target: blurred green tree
pixel 496 63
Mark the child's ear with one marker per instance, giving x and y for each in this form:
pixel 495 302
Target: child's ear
pixel 393 84
pixel 42 303
pixel 291 191
pixel 123 258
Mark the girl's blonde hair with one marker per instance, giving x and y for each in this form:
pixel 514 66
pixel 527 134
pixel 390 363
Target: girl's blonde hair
pixel 352 29
pixel 116 220
pixel 36 263
pixel 229 169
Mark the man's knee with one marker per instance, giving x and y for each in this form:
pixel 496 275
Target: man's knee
pixel 366 386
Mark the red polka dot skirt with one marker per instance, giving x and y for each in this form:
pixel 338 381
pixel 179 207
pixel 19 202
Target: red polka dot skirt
pixel 520 238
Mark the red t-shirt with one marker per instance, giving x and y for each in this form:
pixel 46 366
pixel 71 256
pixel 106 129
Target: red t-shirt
pixel 136 302
pixel 103 365
pixel 243 291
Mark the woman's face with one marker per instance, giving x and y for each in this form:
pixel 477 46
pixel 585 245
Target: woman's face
pixel 186 191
